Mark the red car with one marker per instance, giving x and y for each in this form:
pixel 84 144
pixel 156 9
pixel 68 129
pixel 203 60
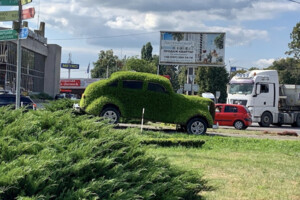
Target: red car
pixel 233 115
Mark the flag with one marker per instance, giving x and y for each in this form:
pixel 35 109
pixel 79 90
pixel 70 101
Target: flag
pixel 88 69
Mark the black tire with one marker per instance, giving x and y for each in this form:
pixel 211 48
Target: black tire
pixel 239 125
pixel 266 119
pixel 111 114
pixel 196 126
pixel 245 127
pixel 298 121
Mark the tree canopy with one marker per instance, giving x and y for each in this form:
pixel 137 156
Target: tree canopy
pixel 294 45
pixel 288 70
pixel 146 52
pixel 106 60
pixel 212 79
pixel 140 65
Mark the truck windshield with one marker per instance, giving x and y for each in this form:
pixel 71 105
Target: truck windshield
pixel 241 88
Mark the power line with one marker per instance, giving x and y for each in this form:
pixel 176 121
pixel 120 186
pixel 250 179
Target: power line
pixel 99 37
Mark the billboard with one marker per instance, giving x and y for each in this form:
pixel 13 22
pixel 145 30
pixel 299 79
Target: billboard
pixel 80 83
pixel 192 48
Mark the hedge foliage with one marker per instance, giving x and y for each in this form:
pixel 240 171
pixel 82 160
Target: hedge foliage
pixel 159 107
pixel 60 104
pixel 55 155
pixel 174 142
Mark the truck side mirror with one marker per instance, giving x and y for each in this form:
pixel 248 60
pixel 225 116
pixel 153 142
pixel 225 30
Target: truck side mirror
pixel 258 88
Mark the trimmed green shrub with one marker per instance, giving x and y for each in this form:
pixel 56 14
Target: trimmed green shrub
pixel 60 104
pixel 55 155
pixel 167 107
pixel 42 96
pixel 174 142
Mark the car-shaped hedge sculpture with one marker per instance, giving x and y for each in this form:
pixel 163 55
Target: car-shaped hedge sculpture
pixel 125 94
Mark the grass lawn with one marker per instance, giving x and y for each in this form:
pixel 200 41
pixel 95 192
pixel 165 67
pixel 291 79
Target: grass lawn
pixel 239 168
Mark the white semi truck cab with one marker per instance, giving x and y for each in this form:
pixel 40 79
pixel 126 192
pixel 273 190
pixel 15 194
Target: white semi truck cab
pixel 268 101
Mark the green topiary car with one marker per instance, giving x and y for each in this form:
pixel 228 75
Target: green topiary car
pixel 125 94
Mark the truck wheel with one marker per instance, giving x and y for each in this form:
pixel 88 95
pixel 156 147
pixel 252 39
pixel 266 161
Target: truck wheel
pixel 297 123
pixel 266 119
pixel 111 114
pixel 196 126
pixel 238 125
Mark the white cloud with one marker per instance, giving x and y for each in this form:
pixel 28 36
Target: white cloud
pixel 263 63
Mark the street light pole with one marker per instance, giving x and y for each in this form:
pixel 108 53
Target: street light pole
pixel 19 60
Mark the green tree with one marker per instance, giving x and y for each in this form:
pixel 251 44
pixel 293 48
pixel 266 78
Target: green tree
pixel 106 60
pixel 294 45
pixel 182 73
pixel 288 70
pixel 172 71
pixel 253 68
pixel 140 65
pixel 146 52
pixel 212 79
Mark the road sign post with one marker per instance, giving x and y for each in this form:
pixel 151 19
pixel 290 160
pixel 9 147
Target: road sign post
pixel 19 60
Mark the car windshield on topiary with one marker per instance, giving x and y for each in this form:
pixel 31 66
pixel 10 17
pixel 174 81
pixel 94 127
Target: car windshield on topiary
pixel 125 94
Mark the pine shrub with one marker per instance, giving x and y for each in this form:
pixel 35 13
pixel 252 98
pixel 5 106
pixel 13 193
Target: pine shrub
pixel 56 155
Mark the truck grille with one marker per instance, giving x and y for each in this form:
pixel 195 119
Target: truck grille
pixel 239 102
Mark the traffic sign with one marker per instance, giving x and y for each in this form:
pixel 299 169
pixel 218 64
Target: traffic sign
pixel 9 15
pixel 69 66
pixel 13 2
pixel 11 34
pixel 24 33
pixel 232 69
pixel 8 35
pixel 23 2
pixel 28 13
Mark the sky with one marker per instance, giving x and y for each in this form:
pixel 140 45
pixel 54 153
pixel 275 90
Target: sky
pixel 257 31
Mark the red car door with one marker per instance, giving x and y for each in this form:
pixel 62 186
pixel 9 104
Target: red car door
pixel 229 115
pixel 219 115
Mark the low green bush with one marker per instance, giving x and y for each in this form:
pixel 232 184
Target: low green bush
pixel 174 142
pixel 55 155
pixel 60 104
pixel 42 96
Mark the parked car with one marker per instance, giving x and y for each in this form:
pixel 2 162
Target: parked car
pixel 10 99
pixel 233 115
pixel 125 94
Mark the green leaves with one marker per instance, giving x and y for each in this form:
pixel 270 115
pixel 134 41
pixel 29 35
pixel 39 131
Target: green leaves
pixel 57 155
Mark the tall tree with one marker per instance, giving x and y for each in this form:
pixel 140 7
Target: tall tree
pixel 172 71
pixel 140 65
pixel 212 79
pixel 288 70
pixel 146 52
pixel 294 45
pixel 107 63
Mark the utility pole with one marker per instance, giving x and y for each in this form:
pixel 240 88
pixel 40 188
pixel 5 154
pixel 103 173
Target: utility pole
pixel 19 60
pixel 70 62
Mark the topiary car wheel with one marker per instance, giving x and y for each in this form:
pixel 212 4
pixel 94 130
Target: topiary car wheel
pixel 111 114
pixel 196 126
pixel 238 125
